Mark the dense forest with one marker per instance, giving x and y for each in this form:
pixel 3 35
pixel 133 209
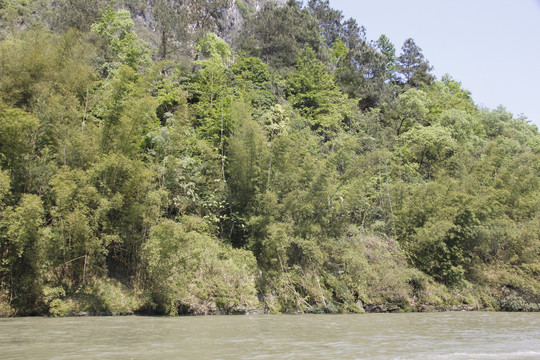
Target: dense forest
pixel 197 157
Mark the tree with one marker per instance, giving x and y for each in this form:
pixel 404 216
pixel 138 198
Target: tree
pixel 247 167
pixel 462 126
pixel 22 247
pixel 121 43
pixel 36 64
pixel 211 91
pixel 18 142
pixel 411 109
pixel 330 20
pixel 448 94
pixel 125 113
pixel 428 147
pixel 277 33
pixel 252 81
pixel 206 15
pixel 172 22
pixel 389 51
pixel 412 65
pixel 301 174
pixel 129 205
pixel 312 90
pixel 79 239
pixel 19 15
pixel 361 69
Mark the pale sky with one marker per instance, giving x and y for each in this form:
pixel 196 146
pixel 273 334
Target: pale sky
pixel 491 46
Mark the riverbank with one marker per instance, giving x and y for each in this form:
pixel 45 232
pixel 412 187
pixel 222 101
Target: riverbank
pixel 128 306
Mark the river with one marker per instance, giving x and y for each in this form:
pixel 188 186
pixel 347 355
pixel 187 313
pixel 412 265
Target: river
pixel 452 335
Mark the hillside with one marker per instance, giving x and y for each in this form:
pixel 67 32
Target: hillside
pixel 195 157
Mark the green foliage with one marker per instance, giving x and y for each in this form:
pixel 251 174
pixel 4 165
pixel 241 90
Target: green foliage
pixel 248 153
pixel 22 249
pixel 322 174
pixel 361 70
pixel 312 90
pixel 277 33
pixel 18 15
pixel 253 82
pixel 36 64
pixel 163 82
pixel 18 137
pixel 5 307
pixel 389 51
pixel 411 109
pixel 122 45
pixel 212 47
pixel 412 65
pixel 4 185
pixel 189 272
pixel 100 297
pixel 345 274
pixel 428 148
pixel 76 218
pixel 213 109
pixel 448 94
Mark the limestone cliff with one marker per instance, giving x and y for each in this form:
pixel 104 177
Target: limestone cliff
pixel 237 11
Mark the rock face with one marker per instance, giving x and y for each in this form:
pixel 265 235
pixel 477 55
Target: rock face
pixel 232 19
pixel 233 16
pixel 236 12
pixel 260 3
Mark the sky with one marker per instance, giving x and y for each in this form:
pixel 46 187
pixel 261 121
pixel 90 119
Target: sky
pixel 491 46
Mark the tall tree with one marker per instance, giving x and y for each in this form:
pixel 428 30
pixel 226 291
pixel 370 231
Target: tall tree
pixel 277 33
pixel 412 65
pixel 330 20
pixel 389 51
pixel 313 91
pixel 172 24
pixel 211 92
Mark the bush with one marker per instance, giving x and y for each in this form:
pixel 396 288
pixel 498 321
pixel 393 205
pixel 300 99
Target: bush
pixel 190 272
pixel 66 307
pixel 5 308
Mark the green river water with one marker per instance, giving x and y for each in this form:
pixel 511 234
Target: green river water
pixel 452 335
